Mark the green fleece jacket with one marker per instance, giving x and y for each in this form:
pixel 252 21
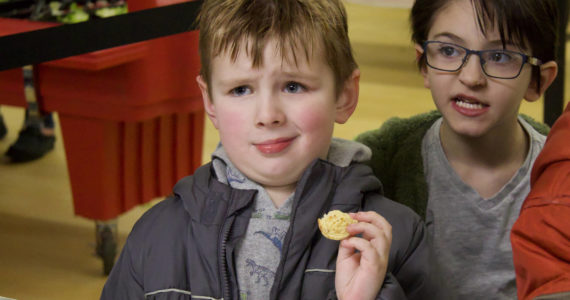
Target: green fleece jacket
pixel 397 157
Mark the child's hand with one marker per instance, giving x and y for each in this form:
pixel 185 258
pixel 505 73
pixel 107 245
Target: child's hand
pixel 359 275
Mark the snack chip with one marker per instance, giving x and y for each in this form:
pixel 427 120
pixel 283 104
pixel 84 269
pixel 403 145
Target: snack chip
pixel 333 224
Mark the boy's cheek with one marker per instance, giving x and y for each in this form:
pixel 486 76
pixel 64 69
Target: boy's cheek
pixel 313 116
pixel 425 75
pixel 232 123
pixel 313 121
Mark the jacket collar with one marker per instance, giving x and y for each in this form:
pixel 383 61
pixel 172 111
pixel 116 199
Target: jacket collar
pixel 323 187
pixel 209 201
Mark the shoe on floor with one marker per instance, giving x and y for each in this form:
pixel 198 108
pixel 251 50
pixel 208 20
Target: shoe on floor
pixel 3 129
pixel 30 145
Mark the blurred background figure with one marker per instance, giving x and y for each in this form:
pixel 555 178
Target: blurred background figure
pixel 36 138
pixel 37 135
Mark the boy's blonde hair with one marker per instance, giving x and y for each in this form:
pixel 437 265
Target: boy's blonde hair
pixel 226 26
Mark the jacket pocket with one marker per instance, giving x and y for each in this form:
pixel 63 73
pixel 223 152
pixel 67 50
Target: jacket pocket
pixel 318 283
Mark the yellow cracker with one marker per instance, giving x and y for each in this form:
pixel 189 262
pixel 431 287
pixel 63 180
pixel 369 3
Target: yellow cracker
pixel 333 224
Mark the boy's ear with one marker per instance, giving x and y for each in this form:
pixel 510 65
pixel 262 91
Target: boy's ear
pixel 348 98
pixel 548 73
pixel 208 104
pixel 423 69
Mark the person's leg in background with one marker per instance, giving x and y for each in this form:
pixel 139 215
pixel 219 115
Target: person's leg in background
pixel 3 129
pixel 36 138
pixel 37 135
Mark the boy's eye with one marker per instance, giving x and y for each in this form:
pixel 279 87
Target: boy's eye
pixel 241 91
pixel 449 51
pixel 294 87
pixel 499 57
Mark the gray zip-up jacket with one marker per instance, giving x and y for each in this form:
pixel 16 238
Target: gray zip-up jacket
pixel 183 247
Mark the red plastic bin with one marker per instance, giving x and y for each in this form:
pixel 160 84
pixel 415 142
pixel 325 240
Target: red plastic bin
pixel 131 116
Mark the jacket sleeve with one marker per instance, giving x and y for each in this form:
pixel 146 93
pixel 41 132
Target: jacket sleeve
pixel 540 237
pixel 124 282
pixel 412 270
pixel 391 289
pixel 541 250
pixel 416 271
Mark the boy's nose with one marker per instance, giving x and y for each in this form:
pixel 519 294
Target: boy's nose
pixel 269 113
pixel 471 74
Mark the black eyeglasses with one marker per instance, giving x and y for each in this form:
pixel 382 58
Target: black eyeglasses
pixel 449 57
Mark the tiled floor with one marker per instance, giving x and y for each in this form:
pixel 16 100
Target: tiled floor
pixel 46 251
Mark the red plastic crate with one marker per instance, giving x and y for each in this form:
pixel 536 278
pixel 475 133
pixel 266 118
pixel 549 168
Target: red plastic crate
pixel 139 162
pixel 131 116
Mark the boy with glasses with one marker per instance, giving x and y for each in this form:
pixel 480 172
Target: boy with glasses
pixel 466 167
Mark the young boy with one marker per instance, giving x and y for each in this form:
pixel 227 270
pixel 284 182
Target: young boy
pixel 276 76
pixel 466 167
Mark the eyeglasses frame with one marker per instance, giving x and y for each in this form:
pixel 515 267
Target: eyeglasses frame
pixel 533 61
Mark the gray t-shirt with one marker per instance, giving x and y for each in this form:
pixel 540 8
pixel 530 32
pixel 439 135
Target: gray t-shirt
pixel 470 234
pixel 258 254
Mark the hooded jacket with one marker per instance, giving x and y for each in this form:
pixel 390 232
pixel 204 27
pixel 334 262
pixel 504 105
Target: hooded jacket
pixel 183 247
pixel 541 235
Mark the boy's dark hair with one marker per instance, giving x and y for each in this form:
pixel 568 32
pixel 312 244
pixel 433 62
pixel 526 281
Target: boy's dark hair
pixel 528 24
pixel 310 25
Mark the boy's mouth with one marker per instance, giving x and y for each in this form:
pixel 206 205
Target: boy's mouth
pixel 468 103
pixel 469 106
pixel 274 146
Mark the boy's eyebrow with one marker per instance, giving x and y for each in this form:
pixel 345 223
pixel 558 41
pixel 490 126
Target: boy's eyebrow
pixel 301 75
pixel 233 80
pixel 450 36
pixel 499 44
pixel 494 43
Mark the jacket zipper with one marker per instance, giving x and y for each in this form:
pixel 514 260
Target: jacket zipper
pixel 224 267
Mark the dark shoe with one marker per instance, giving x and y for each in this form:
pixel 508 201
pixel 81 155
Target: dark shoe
pixel 106 249
pixel 3 129
pixel 30 145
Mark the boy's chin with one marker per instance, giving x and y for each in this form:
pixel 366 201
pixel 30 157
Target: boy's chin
pixel 275 181
pixel 470 131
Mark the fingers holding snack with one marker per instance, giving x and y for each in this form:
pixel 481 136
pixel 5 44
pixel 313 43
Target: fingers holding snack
pixel 333 225
pixel 371 225
pixel 362 261
pixel 375 232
